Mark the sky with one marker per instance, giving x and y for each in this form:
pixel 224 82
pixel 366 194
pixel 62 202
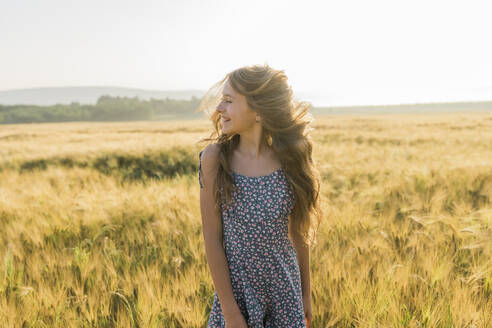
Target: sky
pixel 333 52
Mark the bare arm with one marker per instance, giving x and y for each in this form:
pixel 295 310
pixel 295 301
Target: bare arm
pixel 302 251
pixel 212 233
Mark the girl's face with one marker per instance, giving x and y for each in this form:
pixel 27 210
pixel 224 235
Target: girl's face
pixel 235 114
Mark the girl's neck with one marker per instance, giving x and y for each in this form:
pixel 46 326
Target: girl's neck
pixel 253 149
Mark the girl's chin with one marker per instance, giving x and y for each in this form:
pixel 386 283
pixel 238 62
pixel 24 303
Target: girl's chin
pixel 226 131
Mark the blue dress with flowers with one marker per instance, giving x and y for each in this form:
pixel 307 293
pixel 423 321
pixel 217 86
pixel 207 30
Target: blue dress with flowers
pixel 262 261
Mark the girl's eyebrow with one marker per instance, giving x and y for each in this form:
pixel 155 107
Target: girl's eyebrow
pixel 228 95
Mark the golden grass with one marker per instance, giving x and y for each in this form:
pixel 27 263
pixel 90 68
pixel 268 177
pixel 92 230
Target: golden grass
pixel 100 223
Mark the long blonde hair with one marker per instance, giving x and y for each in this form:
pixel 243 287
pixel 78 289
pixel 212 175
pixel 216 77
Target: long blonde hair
pixel 286 127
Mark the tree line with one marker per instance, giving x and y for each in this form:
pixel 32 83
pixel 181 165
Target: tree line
pixel 107 108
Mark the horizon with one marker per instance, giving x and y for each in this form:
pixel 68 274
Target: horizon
pixel 317 100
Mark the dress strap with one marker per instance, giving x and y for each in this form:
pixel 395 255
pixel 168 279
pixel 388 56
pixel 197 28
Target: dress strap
pixel 200 169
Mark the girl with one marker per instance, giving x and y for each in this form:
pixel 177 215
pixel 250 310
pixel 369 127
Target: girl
pixel 259 187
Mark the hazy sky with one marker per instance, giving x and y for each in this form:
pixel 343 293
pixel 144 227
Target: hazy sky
pixel 382 50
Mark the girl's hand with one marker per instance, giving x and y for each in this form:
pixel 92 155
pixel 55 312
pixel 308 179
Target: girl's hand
pixel 235 321
pixel 308 310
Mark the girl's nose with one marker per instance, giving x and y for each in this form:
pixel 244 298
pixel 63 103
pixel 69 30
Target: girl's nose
pixel 219 107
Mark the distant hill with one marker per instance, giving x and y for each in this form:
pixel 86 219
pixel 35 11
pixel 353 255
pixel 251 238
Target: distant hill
pixel 85 95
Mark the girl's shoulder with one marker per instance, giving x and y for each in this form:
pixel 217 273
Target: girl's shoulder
pixel 208 158
pixel 210 152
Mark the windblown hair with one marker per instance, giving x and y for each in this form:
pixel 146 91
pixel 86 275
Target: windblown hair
pixel 285 124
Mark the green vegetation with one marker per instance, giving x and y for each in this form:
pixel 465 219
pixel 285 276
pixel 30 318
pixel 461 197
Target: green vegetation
pixel 106 109
pixel 125 166
pixel 113 109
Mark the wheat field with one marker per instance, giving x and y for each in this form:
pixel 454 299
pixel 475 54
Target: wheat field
pixel 100 223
